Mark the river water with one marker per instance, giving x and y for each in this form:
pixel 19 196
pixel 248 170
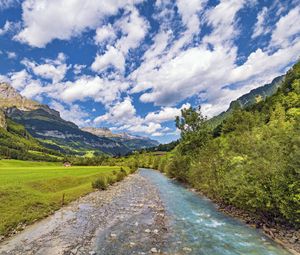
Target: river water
pixel 196 224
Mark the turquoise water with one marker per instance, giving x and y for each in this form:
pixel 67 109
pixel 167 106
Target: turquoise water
pixel 197 224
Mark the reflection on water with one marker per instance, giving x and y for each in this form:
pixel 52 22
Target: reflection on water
pixel 198 225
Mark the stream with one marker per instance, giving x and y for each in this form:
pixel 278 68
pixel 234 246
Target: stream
pixel 199 228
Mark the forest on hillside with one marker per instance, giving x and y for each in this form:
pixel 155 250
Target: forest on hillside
pixel 251 160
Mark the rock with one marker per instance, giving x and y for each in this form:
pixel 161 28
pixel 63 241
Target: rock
pixel 92 253
pixel 187 249
pixel 155 231
pixel 113 235
pixel 147 231
pixel 154 250
pixel 293 240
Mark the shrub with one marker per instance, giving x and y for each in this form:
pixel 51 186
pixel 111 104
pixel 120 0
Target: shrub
pixel 111 180
pixel 100 183
pixel 121 175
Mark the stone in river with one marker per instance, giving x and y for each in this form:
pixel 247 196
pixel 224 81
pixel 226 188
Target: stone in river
pixel 113 235
pixel 154 250
pixel 187 249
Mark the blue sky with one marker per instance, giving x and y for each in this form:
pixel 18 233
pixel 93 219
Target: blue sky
pixel 132 65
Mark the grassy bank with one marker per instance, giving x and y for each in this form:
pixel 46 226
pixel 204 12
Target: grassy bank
pixel 32 190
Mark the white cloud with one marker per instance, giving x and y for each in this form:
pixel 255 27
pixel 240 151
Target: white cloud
pixel 121 113
pixel 46 20
pixel 54 70
pixel 71 113
pixel 19 79
pixel 11 55
pixel 188 11
pixel 78 68
pixel 104 33
pixel 260 26
pixel 123 117
pixel 165 114
pixel 149 128
pixel 187 74
pixel 133 28
pixel 167 79
pixel 5 4
pixel 261 63
pixel 100 89
pixel 112 57
pixel 25 83
pixel 287 29
pixel 32 89
pixel 7 26
pixel 223 20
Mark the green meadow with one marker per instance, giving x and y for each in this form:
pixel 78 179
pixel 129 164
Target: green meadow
pixel 32 190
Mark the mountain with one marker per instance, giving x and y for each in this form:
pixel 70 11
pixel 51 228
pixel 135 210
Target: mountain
pixel 259 94
pixel 249 99
pixel 133 142
pixel 11 98
pixel 101 132
pixel 50 129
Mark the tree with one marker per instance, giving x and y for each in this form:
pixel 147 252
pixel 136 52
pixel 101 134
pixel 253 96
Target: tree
pixel 194 130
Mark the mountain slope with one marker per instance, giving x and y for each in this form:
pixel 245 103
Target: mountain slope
pixel 132 142
pixel 248 99
pixel 52 131
pixel 17 143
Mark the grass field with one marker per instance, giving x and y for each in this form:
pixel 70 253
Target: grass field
pixel 32 190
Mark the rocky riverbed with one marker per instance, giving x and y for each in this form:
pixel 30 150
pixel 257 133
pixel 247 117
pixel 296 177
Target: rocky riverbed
pixel 128 218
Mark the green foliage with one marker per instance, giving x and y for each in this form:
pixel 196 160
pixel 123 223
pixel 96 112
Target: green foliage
pixel 195 132
pixel 17 143
pixel 101 183
pixel 121 175
pixel 178 167
pixel 251 159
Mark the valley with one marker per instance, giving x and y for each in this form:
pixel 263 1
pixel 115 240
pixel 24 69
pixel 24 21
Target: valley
pixel 137 127
pixel 146 213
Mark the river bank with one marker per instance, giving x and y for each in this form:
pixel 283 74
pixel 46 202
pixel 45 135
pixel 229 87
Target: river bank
pixel 285 236
pixel 128 217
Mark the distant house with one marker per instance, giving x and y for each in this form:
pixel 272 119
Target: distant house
pixel 67 164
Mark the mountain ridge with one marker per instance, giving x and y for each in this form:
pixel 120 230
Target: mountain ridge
pixel 133 142
pixel 46 125
pixel 253 96
pixel 52 131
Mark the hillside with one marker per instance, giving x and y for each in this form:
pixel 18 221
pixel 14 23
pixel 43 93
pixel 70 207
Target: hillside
pixel 132 142
pixel 254 96
pixel 17 143
pixel 46 125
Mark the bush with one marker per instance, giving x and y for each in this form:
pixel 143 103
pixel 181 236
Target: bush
pixel 111 180
pixel 178 167
pixel 101 183
pixel 121 175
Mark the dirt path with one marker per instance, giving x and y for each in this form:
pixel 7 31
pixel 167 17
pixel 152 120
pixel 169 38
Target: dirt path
pixel 128 218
